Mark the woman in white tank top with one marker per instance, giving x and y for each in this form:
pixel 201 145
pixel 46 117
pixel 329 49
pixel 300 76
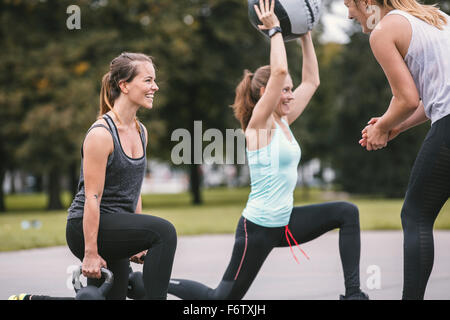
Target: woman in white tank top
pixel 411 43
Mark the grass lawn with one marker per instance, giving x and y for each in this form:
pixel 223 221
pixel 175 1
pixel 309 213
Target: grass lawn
pixel 219 214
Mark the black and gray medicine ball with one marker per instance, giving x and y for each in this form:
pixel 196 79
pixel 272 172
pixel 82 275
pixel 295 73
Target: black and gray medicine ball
pixel 297 17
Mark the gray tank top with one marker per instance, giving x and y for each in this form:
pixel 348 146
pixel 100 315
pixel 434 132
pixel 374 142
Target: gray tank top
pixel 123 178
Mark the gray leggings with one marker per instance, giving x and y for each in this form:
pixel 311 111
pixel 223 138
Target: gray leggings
pixel 428 190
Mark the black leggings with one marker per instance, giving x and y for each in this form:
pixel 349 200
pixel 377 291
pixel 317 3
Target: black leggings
pixel 121 236
pixel 428 190
pixel 253 244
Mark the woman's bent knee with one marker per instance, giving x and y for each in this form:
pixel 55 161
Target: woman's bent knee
pixel 348 214
pixel 171 233
pixel 159 230
pixel 350 211
pixel 167 232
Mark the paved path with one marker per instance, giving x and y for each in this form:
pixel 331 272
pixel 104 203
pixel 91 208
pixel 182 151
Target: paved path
pixel 204 258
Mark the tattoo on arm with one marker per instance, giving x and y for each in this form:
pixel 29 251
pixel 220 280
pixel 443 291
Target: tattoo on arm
pixel 96 198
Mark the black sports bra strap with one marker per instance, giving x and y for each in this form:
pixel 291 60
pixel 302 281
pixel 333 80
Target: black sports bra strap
pixel 111 125
pixel 116 133
pixel 144 142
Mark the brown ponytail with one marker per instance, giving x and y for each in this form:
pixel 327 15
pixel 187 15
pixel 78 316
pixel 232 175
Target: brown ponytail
pixel 106 97
pixel 248 94
pixel 122 68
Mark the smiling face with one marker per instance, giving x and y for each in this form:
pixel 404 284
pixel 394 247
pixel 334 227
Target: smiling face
pixel 284 106
pixel 363 12
pixel 142 88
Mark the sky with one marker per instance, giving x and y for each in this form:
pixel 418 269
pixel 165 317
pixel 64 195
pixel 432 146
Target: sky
pixel 335 23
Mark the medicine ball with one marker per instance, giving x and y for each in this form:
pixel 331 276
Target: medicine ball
pixel 297 17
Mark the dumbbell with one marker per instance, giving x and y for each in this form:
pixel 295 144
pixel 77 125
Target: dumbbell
pixel 92 292
pixel 136 288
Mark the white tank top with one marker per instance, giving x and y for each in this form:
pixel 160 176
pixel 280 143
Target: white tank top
pixel 428 60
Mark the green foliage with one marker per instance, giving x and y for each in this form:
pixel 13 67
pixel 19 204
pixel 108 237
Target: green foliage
pixel 50 82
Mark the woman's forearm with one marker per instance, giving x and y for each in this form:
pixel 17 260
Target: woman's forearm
pixel 418 117
pixel 91 220
pixel 139 205
pixel 399 111
pixel 278 58
pixel 310 66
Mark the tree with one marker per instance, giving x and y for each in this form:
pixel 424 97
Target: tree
pixel 53 88
pixel 198 48
pixel 205 61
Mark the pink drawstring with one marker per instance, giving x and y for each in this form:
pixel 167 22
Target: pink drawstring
pixel 286 232
pixel 245 249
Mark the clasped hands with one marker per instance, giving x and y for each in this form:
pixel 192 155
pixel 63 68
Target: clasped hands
pixel 373 138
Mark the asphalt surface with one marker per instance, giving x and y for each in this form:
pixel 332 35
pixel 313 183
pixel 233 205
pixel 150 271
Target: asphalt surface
pixel 204 258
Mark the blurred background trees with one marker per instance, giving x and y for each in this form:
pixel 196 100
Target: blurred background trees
pixel 50 81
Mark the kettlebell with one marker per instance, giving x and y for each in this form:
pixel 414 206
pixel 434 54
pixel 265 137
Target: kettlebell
pixel 136 288
pixel 92 292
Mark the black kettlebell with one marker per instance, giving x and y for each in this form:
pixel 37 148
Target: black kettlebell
pixel 136 288
pixel 92 292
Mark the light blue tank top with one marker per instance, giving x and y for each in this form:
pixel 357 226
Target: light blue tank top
pixel 273 175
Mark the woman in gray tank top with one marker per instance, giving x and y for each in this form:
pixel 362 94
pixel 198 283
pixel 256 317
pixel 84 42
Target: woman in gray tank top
pixel 411 42
pixel 104 226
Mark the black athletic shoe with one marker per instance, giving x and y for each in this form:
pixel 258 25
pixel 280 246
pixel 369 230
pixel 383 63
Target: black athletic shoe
pixel 356 296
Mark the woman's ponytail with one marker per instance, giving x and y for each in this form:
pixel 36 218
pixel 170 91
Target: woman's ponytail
pixel 248 94
pixel 105 104
pixel 243 102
